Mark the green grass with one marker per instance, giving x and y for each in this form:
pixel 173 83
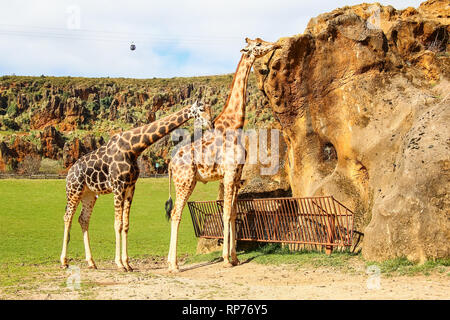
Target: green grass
pixel 31 224
pixel 402 266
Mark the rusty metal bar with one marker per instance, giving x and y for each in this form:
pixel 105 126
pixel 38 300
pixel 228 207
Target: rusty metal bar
pixel 315 232
pixel 304 219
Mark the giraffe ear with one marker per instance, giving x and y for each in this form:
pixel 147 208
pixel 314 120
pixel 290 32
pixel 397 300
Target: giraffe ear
pixel 247 40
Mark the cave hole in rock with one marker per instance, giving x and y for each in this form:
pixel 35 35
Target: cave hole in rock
pixel 329 152
pixel 327 158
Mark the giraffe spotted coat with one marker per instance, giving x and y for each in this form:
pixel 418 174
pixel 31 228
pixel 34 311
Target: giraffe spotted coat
pixel 113 168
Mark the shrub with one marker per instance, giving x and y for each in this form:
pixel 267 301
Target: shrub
pixel 106 102
pixel 159 114
pixel 65 95
pixel 10 124
pixel 50 166
pixel 93 107
pixel 11 167
pixel 12 109
pixel 29 165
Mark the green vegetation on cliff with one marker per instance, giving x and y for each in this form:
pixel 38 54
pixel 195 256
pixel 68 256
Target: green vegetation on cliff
pixel 61 118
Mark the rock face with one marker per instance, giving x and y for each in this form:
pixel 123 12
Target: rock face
pixel 363 99
pixel 266 179
pixel 75 149
pixel 15 153
pixel 53 112
pixel 51 143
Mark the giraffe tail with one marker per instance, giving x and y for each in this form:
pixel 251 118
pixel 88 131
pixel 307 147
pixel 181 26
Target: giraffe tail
pixel 68 235
pixel 169 203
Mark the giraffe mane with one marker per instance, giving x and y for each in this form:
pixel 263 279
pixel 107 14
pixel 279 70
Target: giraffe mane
pixel 229 96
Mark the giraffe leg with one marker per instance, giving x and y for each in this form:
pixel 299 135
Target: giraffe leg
pixel 172 257
pixel 237 184
pixel 118 224
pixel 88 202
pixel 71 208
pixel 183 192
pixel 234 259
pixel 227 207
pixel 125 227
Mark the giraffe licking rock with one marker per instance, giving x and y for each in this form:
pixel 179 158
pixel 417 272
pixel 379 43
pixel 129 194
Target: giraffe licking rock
pixel 186 168
pixel 113 168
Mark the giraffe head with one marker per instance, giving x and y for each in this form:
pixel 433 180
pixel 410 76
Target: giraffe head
pixel 258 47
pixel 201 114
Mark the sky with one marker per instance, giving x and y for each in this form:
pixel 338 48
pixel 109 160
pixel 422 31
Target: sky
pixel 91 38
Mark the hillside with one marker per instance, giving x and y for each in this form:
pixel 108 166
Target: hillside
pixel 47 123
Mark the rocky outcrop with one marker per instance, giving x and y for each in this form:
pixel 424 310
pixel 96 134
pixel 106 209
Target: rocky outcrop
pixel 60 110
pixel 52 143
pixel 267 178
pixel 6 157
pixel 362 97
pixel 14 153
pixel 75 103
pixel 73 150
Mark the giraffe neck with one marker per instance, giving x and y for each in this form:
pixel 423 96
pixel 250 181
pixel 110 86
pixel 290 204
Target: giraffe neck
pixel 142 137
pixel 233 114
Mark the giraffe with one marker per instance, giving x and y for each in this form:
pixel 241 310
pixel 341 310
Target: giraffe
pixel 113 168
pixel 186 168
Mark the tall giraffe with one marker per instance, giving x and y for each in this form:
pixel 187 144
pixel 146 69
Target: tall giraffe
pixel 113 168
pixel 186 168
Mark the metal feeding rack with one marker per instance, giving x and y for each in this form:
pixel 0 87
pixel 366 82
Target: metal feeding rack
pixel 312 222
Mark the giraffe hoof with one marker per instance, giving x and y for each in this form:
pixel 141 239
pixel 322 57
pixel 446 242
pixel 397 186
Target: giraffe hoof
pixel 174 270
pixel 122 269
pixel 227 265
pixel 129 269
pixel 93 267
pixel 235 262
pixel 64 266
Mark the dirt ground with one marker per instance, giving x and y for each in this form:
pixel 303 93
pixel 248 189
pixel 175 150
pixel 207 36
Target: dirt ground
pixel 250 280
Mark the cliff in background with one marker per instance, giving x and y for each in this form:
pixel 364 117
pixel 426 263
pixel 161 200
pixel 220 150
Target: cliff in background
pixel 47 123
pixel 363 99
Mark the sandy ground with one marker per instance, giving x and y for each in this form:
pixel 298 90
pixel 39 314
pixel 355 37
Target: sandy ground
pixel 246 281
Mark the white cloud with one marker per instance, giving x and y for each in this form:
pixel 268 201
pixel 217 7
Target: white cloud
pixel 173 38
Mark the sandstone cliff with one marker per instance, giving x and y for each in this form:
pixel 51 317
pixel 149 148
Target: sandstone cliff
pixel 62 118
pixel 363 99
